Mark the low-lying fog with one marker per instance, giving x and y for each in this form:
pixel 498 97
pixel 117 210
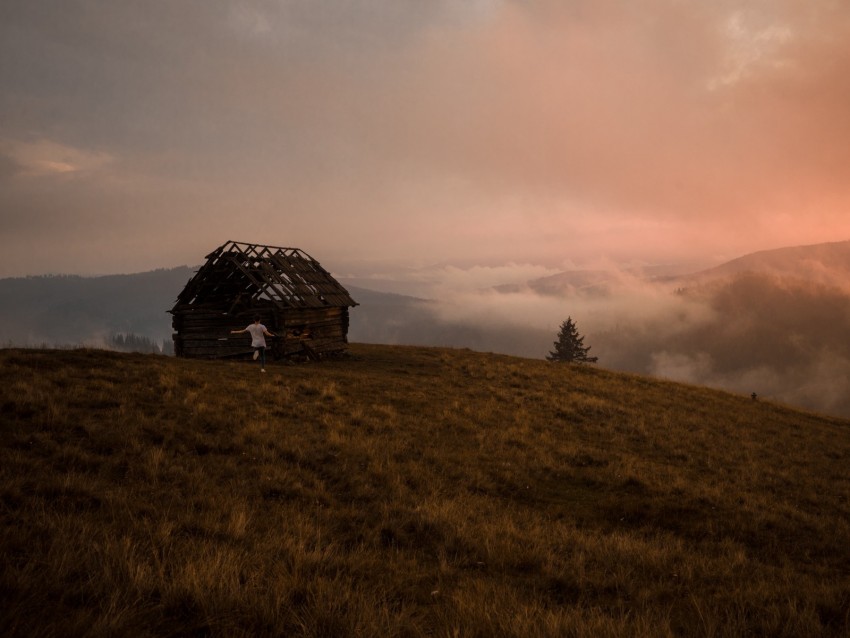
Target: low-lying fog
pixel 777 334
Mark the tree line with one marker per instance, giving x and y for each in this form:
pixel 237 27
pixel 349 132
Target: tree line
pixel 137 343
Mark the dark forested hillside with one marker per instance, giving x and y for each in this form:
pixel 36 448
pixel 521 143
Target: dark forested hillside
pixel 72 310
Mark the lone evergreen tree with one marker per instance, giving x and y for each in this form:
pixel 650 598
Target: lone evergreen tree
pixel 570 345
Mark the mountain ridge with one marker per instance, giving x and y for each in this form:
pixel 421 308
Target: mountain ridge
pixel 827 263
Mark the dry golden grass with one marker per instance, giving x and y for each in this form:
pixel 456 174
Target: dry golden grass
pixel 410 492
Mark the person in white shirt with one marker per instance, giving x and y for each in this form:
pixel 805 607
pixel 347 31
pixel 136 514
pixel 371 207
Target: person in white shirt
pixel 258 334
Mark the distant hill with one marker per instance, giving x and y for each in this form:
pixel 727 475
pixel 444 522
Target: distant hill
pixel 775 321
pixel 384 317
pixel 593 282
pixel 569 282
pixel 823 263
pixel 410 492
pixel 827 263
pixel 72 310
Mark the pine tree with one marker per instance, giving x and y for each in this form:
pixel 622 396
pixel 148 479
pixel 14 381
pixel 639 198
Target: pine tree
pixel 570 346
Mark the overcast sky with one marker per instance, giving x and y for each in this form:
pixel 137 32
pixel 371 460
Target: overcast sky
pixel 379 134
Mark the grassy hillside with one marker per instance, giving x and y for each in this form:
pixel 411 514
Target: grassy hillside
pixel 410 492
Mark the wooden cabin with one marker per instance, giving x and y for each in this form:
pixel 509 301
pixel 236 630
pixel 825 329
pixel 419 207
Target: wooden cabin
pixel 296 299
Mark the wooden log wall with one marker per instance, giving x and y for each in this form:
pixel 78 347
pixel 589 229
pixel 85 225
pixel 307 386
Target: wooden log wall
pixel 204 332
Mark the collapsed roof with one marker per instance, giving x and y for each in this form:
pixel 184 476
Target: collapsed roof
pixel 239 275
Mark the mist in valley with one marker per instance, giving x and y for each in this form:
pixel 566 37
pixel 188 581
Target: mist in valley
pixel 770 332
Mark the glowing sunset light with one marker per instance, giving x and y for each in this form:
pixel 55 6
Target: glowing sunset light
pixel 487 132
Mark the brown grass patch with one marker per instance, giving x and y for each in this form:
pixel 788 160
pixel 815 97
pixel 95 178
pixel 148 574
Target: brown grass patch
pixel 410 492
